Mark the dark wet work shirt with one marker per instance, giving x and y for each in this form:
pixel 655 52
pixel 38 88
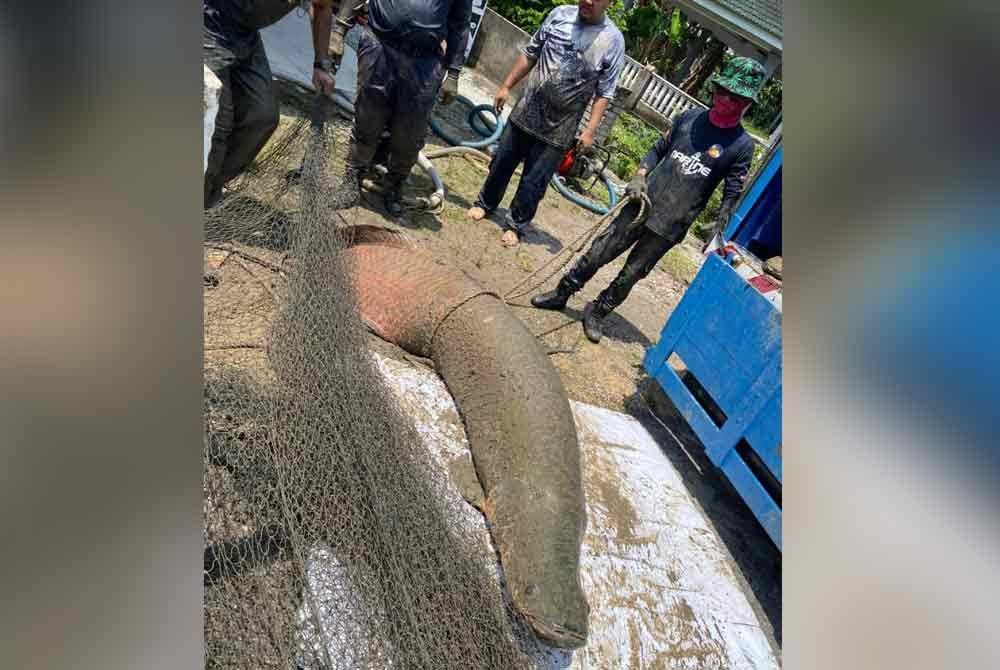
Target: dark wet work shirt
pixel 234 24
pixel 574 62
pixel 423 24
pixel 686 166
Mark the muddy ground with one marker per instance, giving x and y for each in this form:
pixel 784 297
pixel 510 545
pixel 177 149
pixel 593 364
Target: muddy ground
pixel 609 374
pixel 604 374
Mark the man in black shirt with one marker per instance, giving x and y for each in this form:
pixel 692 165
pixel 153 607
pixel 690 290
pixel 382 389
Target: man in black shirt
pixel 248 111
pixel 701 149
pixel 403 53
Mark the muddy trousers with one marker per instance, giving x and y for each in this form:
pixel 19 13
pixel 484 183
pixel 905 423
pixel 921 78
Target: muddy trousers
pixel 248 113
pixel 623 232
pixel 540 160
pixel 397 88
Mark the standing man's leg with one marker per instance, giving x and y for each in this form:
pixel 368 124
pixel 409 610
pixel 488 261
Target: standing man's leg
pixel 540 163
pixel 220 61
pixel 509 154
pixel 254 112
pixel 646 253
pixel 621 233
pixel 371 112
pixel 419 81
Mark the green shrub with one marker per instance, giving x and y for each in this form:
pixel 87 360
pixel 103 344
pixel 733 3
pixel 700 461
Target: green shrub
pixel 630 140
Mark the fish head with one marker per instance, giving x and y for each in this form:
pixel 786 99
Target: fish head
pixel 557 615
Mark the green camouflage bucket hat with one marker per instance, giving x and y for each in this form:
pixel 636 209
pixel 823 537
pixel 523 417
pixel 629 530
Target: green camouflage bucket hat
pixel 743 76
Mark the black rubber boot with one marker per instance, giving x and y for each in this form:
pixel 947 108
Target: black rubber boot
pixel 554 299
pixel 593 320
pixel 393 201
pixel 392 196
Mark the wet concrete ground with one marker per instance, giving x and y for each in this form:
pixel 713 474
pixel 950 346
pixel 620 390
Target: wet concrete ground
pixel 663 589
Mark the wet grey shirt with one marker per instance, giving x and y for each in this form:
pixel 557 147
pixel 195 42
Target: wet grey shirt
pixel 574 62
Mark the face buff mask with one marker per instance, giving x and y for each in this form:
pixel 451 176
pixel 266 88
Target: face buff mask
pixel 727 109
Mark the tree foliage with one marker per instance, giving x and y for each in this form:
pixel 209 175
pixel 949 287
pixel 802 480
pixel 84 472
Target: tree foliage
pixel 526 14
pixel 767 107
pixel 762 113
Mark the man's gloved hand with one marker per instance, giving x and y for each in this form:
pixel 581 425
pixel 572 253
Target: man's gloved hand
pixel 449 91
pixel 637 188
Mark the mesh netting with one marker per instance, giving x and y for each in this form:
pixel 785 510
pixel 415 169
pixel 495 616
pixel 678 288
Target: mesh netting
pixel 332 539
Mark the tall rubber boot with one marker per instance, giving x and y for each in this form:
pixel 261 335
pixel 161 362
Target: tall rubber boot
pixel 593 319
pixel 393 196
pixel 555 299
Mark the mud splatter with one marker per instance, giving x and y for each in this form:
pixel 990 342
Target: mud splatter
pixel 641 601
pixel 688 639
pixel 602 483
pixel 634 646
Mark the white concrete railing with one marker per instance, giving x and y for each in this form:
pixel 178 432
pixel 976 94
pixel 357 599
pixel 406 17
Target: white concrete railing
pixel 646 95
pixel 655 100
pixel 656 93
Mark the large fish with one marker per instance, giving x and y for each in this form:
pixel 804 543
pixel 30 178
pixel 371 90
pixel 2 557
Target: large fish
pixel 517 419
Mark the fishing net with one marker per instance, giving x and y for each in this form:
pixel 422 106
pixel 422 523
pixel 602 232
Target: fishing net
pixel 332 538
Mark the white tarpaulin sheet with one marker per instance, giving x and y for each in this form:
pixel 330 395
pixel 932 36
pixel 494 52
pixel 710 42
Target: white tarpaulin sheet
pixel 661 590
pixel 290 51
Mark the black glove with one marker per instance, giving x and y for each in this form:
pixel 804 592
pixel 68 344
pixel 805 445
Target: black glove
pixel 450 88
pixel 637 188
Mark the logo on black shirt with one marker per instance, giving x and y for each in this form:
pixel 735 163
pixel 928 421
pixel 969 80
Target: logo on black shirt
pixel 691 164
pixel 714 151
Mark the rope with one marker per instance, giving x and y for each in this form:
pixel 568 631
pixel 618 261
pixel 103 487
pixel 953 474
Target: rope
pixel 575 247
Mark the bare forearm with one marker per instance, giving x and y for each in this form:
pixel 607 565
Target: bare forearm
pixel 321 24
pixel 520 70
pixel 597 114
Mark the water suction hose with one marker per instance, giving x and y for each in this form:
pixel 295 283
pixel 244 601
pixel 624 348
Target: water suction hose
pixel 487 140
pixel 478 120
pixel 431 202
pixel 559 184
